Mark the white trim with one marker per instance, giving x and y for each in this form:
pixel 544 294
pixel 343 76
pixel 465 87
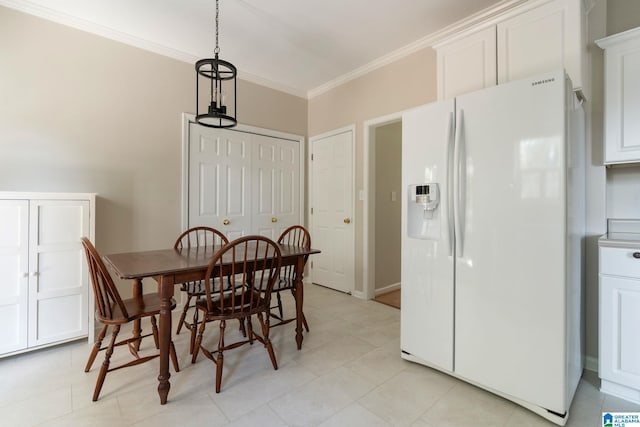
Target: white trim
pixel 368 235
pixel 388 288
pixel 591 363
pixel 430 40
pixel 128 39
pixel 484 17
pixel 350 128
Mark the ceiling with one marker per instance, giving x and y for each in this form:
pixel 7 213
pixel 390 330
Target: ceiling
pixel 299 46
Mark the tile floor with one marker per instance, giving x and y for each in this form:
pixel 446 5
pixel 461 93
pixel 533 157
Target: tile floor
pixel 348 373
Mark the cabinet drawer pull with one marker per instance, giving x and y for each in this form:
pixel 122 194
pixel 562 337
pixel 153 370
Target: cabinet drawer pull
pixel 636 255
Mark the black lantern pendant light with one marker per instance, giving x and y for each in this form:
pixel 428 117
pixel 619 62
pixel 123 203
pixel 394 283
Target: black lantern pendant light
pixel 217 72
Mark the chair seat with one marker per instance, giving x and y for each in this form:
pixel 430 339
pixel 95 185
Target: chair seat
pixel 256 304
pixel 137 308
pixel 284 283
pixel 193 288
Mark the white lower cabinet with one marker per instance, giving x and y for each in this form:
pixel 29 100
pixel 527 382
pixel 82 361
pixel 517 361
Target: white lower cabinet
pixel 44 282
pixel 619 347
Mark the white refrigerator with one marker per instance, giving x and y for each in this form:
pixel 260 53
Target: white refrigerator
pixel 492 240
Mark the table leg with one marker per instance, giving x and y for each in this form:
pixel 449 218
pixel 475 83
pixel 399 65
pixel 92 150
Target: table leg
pixel 164 332
pixel 299 300
pixel 137 328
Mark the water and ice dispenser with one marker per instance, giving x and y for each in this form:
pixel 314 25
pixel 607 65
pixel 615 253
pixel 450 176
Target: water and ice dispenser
pixel 423 213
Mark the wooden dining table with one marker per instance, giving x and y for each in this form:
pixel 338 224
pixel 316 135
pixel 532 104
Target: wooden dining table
pixel 169 267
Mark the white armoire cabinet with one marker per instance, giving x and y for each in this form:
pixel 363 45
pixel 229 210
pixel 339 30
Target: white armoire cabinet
pixel 44 290
pixel 622 96
pixel 535 37
pixel 243 181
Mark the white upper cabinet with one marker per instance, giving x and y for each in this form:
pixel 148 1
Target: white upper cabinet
pixel 476 52
pixel 534 38
pixel 622 97
pixel 544 38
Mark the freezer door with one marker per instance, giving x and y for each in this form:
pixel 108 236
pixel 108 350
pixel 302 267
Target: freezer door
pixel 510 271
pixel 427 263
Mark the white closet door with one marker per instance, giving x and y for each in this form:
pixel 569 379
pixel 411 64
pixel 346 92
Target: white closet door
pixel 275 185
pixel 332 203
pixel 219 180
pixel 14 259
pixel 58 286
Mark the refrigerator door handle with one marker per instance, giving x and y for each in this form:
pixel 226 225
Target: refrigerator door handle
pixel 450 180
pixel 459 184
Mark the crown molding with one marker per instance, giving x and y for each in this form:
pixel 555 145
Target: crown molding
pixel 427 41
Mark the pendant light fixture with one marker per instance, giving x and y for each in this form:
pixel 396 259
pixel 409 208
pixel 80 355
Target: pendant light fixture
pixel 221 76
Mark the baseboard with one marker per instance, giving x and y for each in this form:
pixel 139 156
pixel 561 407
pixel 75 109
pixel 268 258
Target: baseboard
pixel 389 288
pixel 591 363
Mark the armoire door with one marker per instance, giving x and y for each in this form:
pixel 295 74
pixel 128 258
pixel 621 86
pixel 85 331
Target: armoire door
pixel 58 283
pixel 14 271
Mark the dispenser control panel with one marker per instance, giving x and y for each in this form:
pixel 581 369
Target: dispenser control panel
pixel 423 213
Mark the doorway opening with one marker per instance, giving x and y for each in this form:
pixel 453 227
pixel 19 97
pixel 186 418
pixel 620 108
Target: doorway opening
pixel 382 212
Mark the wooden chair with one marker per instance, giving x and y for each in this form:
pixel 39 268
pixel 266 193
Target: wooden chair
pixel 112 310
pixel 296 235
pixel 252 265
pixel 203 238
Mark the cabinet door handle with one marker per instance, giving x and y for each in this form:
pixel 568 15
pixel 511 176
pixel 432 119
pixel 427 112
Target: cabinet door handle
pixel 636 255
pixel 274 219
pixel 226 222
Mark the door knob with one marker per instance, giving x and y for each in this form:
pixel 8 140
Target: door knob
pixel 347 221
pixel 226 222
pixel 274 219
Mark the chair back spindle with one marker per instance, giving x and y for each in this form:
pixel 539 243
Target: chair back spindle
pixel 107 297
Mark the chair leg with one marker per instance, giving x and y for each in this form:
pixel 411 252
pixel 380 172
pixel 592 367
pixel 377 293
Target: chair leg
pixel 267 342
pixel 250 329
pixel 174 357
pixel 184 314
pixel 193 329
pixel 154 329
pixel 105 365
pixel 304 319
pixel 198 341
pixel 219 361
pixel 279 305
pixel 242 328
pixel 96 348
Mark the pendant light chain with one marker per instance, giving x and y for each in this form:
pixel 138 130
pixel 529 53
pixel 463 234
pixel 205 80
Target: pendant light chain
pixel 217 49
pixel 219 77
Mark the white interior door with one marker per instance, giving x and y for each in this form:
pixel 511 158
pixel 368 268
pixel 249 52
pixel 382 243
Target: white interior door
pixel 332 228
pixel 58 286
pixel 14 267
pixel 219 180
pixel 275 185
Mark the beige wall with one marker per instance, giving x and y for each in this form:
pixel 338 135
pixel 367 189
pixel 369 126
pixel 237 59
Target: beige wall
pixel 82 113
pixel 406 83
pixel 388 212
pixel 622 15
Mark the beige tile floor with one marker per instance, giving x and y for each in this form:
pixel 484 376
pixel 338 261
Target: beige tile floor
pixel 348 373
